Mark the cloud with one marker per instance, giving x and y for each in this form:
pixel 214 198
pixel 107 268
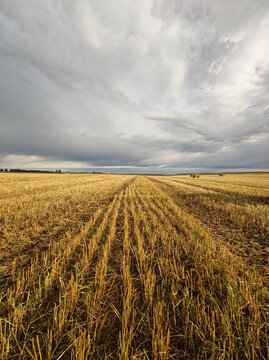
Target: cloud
pixel 176 121
pixel 145 84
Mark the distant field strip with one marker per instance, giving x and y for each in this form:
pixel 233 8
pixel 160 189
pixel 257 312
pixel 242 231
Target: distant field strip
pixel 133 267
pixel 245 190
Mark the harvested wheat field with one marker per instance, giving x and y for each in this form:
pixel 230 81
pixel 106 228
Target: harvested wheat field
pixel 134 267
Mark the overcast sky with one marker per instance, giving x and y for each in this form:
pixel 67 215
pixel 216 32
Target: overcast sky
pixel 144 85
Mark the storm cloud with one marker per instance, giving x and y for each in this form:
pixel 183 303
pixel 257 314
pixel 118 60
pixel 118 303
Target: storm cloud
pixel 150 86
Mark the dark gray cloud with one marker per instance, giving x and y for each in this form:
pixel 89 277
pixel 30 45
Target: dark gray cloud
pixel 145 85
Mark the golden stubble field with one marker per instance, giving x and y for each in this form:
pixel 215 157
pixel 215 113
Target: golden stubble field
pixel 134 267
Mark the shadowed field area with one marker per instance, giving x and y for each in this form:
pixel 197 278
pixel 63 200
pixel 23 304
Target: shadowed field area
pixel 134 267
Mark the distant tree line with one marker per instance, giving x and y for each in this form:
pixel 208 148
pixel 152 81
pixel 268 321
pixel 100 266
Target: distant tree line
pixel 31 171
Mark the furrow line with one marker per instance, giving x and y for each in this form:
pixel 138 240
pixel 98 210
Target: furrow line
pixel 96 306
pixel 157 313
pixel 128 292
